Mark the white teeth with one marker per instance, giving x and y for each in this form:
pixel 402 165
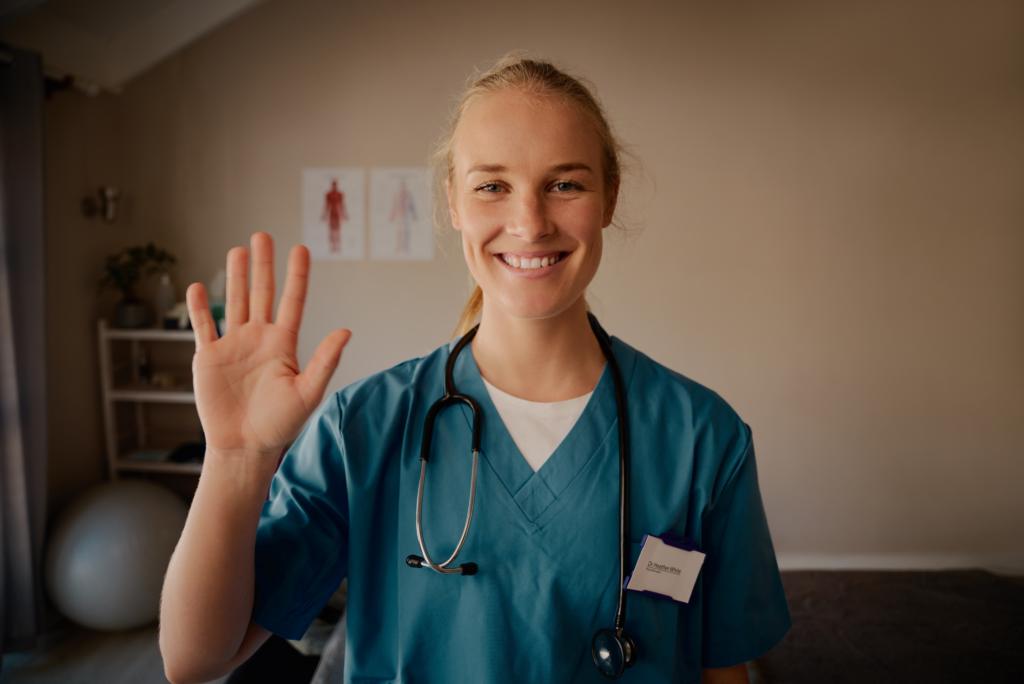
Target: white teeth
pixel 530 264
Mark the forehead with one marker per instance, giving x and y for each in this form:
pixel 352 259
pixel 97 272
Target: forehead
pixel 516 129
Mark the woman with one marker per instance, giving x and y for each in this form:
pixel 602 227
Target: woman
pixel 532 177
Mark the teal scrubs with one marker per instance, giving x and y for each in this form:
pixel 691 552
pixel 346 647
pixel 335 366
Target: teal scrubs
pixel 343 503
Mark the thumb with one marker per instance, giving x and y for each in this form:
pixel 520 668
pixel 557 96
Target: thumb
pixel 322 366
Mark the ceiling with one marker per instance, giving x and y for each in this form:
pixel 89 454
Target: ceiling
pixel 106 43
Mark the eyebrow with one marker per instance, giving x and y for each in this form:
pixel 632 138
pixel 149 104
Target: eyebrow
pixel 486 168
pixel 498 168
pixel 574 166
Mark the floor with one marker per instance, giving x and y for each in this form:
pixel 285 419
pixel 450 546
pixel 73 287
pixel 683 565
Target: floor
pixel 74 655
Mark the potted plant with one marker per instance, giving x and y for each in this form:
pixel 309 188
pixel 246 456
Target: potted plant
pixel 123 271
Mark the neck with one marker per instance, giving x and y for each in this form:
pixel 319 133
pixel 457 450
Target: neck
pixel 550 359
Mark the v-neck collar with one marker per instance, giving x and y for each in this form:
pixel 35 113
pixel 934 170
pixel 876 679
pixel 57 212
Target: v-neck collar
pixel 534 492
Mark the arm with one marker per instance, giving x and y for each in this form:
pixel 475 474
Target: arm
pixel 205 626
pixel 725 675
pixel 252 401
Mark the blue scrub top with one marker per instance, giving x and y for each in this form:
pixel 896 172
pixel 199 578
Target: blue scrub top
pixel 344 503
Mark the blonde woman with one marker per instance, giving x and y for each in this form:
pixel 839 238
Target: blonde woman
pixel 564 416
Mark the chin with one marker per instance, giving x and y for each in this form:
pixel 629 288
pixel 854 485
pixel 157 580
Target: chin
pixel 536 308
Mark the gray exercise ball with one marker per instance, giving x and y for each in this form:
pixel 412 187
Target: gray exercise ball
pixel 109 551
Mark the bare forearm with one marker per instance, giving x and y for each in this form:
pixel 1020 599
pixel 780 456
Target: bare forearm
pixel 208 591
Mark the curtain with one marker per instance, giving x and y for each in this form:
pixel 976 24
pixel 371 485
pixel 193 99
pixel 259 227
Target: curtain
pixel 22 349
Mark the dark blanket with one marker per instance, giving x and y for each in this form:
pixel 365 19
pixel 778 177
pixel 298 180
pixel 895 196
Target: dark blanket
pixel 881 627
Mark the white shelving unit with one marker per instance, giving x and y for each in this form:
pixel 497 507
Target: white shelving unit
pixel 138 393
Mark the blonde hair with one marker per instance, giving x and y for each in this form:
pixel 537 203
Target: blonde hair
pixel 532 77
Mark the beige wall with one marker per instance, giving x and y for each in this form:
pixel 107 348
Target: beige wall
pixel 81 155
pixel 835 243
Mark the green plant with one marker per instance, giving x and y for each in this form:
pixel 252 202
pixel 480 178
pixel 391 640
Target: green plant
pixel 123 271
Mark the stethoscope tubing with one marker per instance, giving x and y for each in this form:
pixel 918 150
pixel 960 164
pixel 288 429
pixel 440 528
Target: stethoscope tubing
pixel 451 397
pixel 443 567
pixel 623 416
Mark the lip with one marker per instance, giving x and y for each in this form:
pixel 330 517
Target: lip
pixel 531 255
pixel 533 273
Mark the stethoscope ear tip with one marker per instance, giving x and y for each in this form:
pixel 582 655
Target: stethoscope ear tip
pixel 414 561
pixel 468 568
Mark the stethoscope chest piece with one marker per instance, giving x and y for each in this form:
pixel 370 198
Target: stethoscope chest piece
pixel 612 652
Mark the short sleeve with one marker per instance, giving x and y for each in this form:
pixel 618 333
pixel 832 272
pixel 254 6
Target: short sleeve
pixel 302 539
pixel 745 609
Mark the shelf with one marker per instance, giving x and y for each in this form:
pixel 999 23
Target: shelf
pixel 153 395
pixel 151 334
pixel 125 465
pixel 151 448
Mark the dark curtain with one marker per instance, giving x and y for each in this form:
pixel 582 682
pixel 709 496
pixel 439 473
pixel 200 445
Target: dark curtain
pixel 22 349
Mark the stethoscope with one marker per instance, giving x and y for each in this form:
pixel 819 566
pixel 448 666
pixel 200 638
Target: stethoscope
pixel 613 650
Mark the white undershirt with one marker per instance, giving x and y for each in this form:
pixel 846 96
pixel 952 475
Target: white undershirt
pixel 537 427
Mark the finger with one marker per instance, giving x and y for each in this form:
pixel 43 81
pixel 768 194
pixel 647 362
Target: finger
pixel 236 304
pixel 261 300
pixel 321 367
pixel 199 312
pixel 293 298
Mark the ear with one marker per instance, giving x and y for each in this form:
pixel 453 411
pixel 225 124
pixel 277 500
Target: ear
pixel 451 206
pixel 609 209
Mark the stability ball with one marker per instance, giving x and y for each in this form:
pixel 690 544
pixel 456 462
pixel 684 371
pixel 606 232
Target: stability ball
pixel 109 551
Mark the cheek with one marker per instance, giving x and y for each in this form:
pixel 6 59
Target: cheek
pixel 469 253
pixel 480 223
pixel 582 220
pixel 473 248
pixel 482 217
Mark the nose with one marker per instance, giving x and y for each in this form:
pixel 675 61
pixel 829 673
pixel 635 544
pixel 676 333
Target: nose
pixel 529 220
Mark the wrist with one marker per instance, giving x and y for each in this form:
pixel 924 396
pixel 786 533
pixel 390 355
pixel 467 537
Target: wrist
pixel 256 457
pixel 241 468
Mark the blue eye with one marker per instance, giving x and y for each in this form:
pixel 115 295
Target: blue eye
pixel 490 187
pixel 565 186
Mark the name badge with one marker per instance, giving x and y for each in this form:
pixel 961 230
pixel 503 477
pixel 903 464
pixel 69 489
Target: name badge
pixel 667 568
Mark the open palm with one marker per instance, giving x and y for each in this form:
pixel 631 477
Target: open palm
pixel 250 393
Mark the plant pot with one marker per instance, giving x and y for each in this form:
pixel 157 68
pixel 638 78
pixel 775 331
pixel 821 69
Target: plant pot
pixel 132 315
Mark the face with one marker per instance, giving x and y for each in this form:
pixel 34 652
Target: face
pixel 527 193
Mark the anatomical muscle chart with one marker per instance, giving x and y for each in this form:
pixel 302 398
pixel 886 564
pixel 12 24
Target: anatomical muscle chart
pixel 401 214
pixel 334 213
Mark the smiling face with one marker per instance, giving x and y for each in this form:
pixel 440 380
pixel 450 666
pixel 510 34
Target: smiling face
pixel 527 193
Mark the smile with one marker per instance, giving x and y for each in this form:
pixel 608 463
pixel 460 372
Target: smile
pixel 528 263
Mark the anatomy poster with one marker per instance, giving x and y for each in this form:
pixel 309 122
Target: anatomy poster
pixel 401 215
pixel 334 213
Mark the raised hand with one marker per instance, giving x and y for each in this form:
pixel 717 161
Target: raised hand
pixel 251 396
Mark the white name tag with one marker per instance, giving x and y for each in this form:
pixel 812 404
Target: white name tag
pixel 666 570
